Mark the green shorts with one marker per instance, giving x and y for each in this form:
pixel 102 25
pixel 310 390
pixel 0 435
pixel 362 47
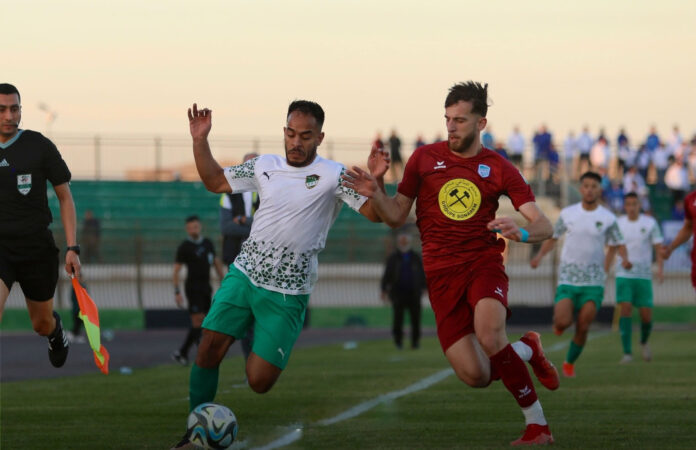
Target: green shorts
pixel 277 317
pixel 637 291
pixel 580 295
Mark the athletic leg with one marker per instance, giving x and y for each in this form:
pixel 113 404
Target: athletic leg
pixel 562 315
pixel 645 329
pixel 586 316
pixel 626 329
pixel 489 322
pixel 4 293
pixel 398 319
pixel 46 322
pixel 204 372
pixel 415 313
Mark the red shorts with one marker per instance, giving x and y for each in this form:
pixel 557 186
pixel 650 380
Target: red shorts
pixel 455 291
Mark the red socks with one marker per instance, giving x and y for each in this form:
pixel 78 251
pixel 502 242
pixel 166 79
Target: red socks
pixel 513 371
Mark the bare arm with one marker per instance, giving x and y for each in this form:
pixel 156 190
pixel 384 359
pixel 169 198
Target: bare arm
pixel 219 268
pixel 539 227
pixel 177 292
pixel 609 258
pixel 623 253
pixel 69 219
pixel 392 210
pixel 546 247
pixel 682 236
pixel 660 263
pixel 212 175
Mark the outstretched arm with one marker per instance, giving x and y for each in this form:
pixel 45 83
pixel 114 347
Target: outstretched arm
pixel 392 210
pixel 212 175
pixel 546 247
pixel 682 236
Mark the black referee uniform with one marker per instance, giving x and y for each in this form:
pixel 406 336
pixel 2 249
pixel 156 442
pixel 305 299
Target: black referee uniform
pixel 197 257
pixel 28 253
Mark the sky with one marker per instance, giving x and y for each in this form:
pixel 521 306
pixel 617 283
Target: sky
pixel 134 67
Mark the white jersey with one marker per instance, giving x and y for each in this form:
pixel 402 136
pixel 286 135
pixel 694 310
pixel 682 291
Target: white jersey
pixel 297 207
pixel 640 236
pixel 582 258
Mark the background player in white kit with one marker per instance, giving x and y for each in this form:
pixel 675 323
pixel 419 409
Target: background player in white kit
pixel 634 286
pixel 270 280
pixel 581 273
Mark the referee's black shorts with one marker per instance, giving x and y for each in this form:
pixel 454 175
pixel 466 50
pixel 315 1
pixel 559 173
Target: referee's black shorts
pixel 199 298
pixel 32 261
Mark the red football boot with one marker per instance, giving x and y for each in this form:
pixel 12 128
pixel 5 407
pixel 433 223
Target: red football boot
pixel 535 435
pixel 544 369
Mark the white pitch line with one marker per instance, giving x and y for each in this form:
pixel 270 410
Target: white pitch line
pixel 296 433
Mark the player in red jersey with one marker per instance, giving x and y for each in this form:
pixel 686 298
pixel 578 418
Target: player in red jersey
pixel 686 231
pixel 456 185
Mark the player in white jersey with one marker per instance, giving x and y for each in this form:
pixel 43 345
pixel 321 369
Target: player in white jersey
pixel 581 272
pixel 634 286
pixel 273 275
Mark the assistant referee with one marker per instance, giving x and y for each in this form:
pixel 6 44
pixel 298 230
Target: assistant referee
pixel 28 253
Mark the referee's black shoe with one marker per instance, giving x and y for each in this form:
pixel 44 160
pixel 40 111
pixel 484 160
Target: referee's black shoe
pixel 58 345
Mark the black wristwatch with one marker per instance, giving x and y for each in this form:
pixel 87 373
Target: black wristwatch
pixel 73 248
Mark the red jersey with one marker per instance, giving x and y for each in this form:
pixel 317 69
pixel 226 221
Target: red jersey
pixel 690 214
pixel 456 198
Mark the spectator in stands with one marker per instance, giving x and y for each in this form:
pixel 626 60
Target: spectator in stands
pixel 403 283
pixel 691 160
pixel 378 142
pixel 633 181
pixel 487 138
pixel 419 141
pixel 660 160
pixel 599 155
pixel 91 236
pixel 500 149
pixel 515 145
pixel 569 153
pixel 643 161
pixel 197 253
pixel 625 155
pixel 584 145
pixel 674 143
pixel 542 150
pixel 677 179
pixel 236 216
pixel 397 164
pixel 653 140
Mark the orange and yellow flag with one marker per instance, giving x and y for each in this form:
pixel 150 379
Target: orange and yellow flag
pixel 90 316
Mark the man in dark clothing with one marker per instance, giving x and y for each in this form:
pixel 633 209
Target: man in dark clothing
pixel 403 284
pixel 198 254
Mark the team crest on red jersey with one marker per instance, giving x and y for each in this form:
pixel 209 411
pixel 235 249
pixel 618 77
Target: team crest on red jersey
pixel 459 199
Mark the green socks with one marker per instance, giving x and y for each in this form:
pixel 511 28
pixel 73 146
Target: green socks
pixel 574 351
pixel 202 385
pixel 645 329
pixel 625 325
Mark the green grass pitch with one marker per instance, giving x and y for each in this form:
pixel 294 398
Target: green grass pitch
pixel 640 405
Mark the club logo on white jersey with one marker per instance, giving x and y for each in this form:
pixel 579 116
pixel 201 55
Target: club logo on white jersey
pixel 24 183
pixel 282 353
pixel 484 170
pixel 311 181
pixel 440 165
pixel 524 391
pixel 498 291
pixel 4 163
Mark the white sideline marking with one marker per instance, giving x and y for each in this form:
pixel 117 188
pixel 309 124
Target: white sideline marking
pixel 296 433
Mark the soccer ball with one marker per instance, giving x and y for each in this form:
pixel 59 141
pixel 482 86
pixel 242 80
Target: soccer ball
pixel 212 426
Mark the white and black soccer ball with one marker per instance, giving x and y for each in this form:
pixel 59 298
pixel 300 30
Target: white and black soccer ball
pixel 212 426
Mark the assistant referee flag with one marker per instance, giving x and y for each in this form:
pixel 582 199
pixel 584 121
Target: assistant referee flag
pixel 90 316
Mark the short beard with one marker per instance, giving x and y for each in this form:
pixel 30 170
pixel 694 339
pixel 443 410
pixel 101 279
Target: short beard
pixel 310 157
pixel 466 143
